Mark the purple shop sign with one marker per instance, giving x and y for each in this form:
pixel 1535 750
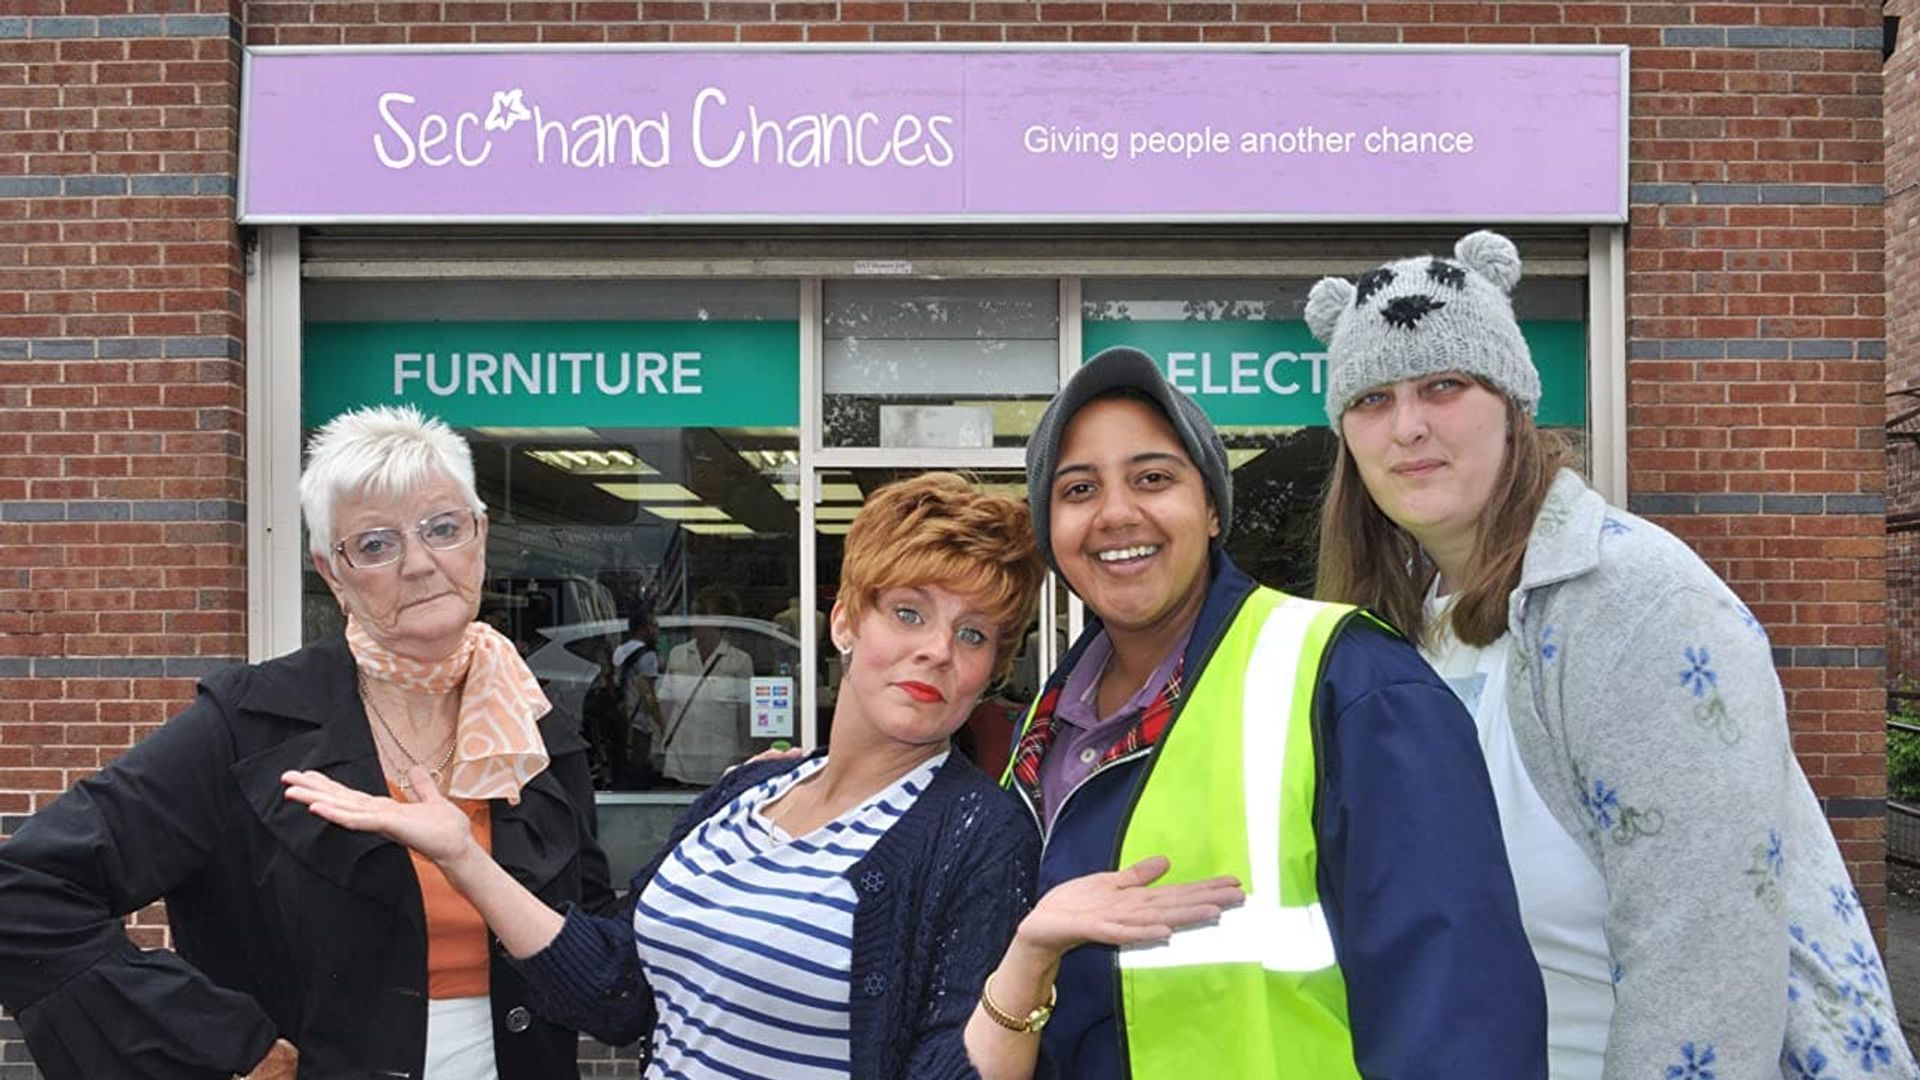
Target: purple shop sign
pixel 947 135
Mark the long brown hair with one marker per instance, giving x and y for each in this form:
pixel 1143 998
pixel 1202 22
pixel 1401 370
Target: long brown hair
pixel 1366 559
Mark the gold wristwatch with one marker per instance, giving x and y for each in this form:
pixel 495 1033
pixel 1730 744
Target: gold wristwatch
pixel 1027 1025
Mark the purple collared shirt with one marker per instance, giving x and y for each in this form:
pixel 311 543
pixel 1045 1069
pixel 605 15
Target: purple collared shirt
pixel 1081 736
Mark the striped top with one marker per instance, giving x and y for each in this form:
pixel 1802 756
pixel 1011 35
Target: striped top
pixel 746 936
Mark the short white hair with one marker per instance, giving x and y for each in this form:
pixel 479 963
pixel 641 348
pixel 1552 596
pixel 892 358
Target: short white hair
pixel 381 450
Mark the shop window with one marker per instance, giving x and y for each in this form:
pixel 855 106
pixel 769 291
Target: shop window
pixel 637 445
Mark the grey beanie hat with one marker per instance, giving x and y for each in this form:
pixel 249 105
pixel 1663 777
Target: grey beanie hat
pixel 1424 316
pixel 1116 368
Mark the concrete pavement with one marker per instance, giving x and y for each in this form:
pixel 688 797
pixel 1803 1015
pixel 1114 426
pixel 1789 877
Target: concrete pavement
pixel 1903 948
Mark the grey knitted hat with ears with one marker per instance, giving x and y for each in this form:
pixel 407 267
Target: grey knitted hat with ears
pixel 1423 316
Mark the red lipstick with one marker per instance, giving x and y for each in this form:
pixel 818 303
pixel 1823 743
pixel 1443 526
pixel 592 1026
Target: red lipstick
pixel 921 692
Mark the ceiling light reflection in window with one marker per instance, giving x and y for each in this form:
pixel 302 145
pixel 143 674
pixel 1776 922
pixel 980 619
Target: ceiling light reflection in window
pixel 610 462
pixel 688 513
pixel 650 492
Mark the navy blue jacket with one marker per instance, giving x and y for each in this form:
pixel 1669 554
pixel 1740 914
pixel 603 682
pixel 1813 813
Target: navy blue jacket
pixel 1441 982
pixel 939 897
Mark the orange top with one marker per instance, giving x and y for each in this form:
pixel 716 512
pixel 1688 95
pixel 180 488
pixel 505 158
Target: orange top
pixel 456 934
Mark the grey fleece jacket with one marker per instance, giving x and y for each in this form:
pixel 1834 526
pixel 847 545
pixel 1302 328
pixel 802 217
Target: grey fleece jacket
pixel 1646 708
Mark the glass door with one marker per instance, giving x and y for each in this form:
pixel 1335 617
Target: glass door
pixel 913 375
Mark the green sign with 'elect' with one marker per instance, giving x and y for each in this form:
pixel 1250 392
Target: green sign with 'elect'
pixel 1274 373
pixel 558 374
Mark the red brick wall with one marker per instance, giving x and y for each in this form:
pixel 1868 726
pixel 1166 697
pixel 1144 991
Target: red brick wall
pixel 121 425
pixel 1758 326
pixel 1756 378
pixel 121 421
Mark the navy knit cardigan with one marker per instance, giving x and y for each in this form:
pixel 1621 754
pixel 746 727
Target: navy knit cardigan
pixel 939 897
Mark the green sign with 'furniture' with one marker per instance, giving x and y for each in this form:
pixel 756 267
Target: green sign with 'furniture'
pixel 559 374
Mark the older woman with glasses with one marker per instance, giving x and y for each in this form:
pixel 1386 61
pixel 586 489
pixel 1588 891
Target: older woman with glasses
pixel 300 947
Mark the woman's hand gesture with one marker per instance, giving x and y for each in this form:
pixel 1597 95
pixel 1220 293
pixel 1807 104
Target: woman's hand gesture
pixel 433 826
pixel 1124 907
pixel 281 1063
pixel 1120 907
pixel 438 829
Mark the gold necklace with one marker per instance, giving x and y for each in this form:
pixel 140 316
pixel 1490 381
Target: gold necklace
pixel 402 781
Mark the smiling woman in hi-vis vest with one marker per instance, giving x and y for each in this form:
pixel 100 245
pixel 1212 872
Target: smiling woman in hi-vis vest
pixel 1207 733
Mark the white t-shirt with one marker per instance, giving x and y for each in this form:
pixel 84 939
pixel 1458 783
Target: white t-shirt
pixel 646 670
pixel 647 666
pixel 704 719
pixel 1563 898
pixel 460 1039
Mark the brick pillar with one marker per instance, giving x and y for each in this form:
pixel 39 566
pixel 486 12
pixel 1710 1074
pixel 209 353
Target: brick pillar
pixel 1757 358
pixel 122 476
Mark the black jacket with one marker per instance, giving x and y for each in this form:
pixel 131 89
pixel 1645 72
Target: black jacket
pixel 283 924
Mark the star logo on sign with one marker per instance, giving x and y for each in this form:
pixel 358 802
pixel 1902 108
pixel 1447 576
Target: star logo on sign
pixel 507 110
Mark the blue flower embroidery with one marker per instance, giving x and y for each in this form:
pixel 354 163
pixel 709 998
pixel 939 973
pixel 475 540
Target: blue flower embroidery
pixel 1548 650
pixel 1820 951
pixel 1603 803
pixel 1868 1040
pixel 1809 1066
pixel 1694 1064
pixel 1846 902
pixel 1862 958
pixel 1613 526
pixel 1751 623
pixel 1618 973
pixel 1698 677
pixel 1769 866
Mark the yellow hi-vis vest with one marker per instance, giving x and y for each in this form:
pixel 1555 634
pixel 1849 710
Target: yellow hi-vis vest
pixel 1230 790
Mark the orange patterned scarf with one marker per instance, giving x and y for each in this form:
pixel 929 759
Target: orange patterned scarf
pixel 497 746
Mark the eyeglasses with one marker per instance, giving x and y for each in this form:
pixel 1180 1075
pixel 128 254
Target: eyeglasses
pixel 444 531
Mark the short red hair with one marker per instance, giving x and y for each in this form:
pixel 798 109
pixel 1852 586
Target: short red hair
pixel 938 529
